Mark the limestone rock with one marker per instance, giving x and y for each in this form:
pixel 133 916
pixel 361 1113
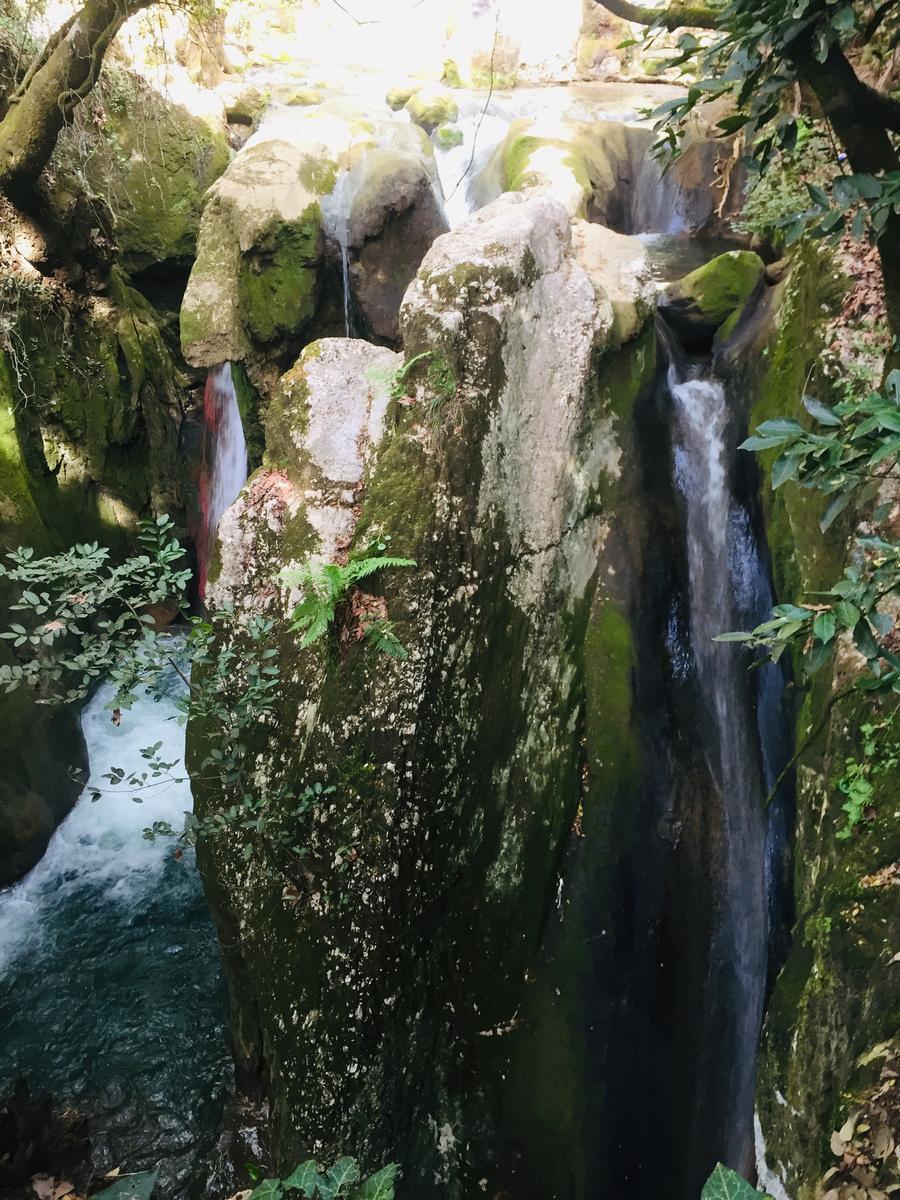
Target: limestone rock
pixel 323 427
pixel 256 282
pixel 605 171
pixel 697 305
pixel 394 218
pixel 503 454
pixel 256 271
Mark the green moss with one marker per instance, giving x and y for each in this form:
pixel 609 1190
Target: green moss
pixel 278 280
pixel 399 97
pixel 150 161
pixel 716 291
pixel 304 98
pixel 448 136
pixel 429 109
pixel 450 74
pixel 21 521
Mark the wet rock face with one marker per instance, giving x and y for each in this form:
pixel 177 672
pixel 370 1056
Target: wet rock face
pixel 88 444
pixel 395 216
pixel 456 771
pixel 606 173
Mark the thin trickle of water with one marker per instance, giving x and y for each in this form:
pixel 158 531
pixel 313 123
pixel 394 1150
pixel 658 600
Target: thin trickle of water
pixel 719 567
pixel 336 209
pixel 224 470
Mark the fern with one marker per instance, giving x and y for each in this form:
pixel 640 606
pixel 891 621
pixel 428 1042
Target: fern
pixel 326 585
pixel 380 634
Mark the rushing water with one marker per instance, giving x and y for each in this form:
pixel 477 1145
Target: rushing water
pixel 224 470
pixel 111 995
pixel 716 563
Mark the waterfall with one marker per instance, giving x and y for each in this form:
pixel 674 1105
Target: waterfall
pixel 224 469
pixel 336 210
pixel 724 579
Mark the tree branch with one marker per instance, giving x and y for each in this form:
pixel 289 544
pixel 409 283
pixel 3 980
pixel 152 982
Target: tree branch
pixel 674 16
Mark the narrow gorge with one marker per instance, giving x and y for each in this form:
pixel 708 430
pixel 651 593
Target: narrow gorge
pixel 442 749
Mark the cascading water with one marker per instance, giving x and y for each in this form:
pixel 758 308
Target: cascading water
pixel 111 995
pixel 224 469
pixel 718 568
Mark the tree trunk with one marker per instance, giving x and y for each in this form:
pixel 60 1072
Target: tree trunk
pixel 60 78
pixel 671 16
pixel 857 116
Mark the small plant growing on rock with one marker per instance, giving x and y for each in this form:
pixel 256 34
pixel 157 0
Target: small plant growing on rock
pixel 342 1181
pixel 328 586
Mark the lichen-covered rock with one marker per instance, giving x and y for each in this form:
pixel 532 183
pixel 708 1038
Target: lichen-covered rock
pixel 256 271
pixel 151 161
pixel 457 769
pixel 429 108
pixel 703 301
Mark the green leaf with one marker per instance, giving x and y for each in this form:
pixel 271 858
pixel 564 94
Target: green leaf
pixel 131 1187
pixel 824 626
pixel 725 1184
pixel 821 412
pixel 818 196
pixel 835 508
pixel 379 1186
pixel 269 1189
pixel 344 1172
pixel 865 643
pixel 304 1179
pixel 848 614
pixel 785 467
pixel 844 20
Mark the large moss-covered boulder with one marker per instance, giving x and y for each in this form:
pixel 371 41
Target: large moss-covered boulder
pixel 150 161
pixel 457 769
pixel 40 746
pixel 256 284
pixel 827 1067
pixel 256 274
pixel 703 301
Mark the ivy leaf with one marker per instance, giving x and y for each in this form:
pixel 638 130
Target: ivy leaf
pixel 379 1186
pixel 269 1189
pixel 304 1179
pixel 131 1187
pixel 725 1184
pixel 344 1172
